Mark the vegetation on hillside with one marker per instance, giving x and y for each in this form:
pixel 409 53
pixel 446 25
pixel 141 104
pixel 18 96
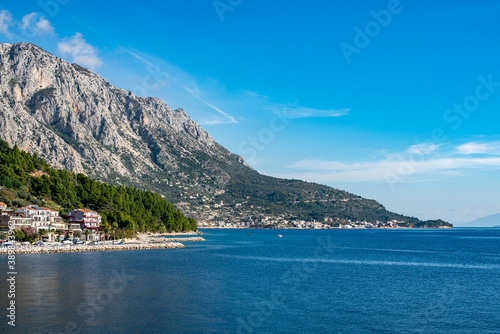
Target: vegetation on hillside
pixel 26 179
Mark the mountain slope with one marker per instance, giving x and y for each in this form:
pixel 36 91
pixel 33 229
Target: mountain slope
pixel 488 221
pixel 77 120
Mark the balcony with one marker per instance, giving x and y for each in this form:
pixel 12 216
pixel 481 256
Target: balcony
pixel 58 226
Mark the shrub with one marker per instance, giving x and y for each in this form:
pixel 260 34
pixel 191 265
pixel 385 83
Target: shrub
pixel 20 203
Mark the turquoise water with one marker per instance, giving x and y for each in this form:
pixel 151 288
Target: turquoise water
pixel 309 281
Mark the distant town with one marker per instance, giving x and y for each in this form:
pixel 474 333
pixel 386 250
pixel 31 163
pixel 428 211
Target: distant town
pixel 329 223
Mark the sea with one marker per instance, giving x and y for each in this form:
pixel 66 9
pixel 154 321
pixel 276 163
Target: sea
pixel 253 281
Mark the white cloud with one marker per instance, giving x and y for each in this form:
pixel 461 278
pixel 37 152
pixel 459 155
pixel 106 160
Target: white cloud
pixel 418 162
pixel 5 22
pixel 35 24
pixel 82 52
pixel 492 148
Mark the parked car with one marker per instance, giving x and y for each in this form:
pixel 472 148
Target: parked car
pixel 67 242
pixel 77 242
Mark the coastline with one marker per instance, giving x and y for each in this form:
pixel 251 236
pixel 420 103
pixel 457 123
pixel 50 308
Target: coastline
pixel 331 228
pixel 141 242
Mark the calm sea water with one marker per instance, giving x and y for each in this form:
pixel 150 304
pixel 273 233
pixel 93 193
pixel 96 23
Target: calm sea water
pixel 309 281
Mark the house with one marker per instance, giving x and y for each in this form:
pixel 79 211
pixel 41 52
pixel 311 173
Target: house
pixel 4 210
pixel 56 222
pixel 20 221
pixel 74 227
pixel 40 217
pixel 87 219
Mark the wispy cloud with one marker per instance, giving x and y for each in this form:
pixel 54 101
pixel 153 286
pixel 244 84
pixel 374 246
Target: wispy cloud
pixel 303 112
pixel 432 163
pixel 423 148
pixel 82 52
pixel 147 62
pixel 5 22
pixel 35 24
pixel 215 121
pixel 208 101
pixel 184 80
pixel 230 118
pixel 492 148
pixel 289 110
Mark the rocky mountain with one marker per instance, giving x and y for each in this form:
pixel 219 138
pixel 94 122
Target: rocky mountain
pixel 77 120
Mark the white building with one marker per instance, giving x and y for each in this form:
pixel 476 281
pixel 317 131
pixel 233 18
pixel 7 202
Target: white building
pixel 40 217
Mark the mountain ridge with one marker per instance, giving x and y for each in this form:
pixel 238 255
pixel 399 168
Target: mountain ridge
pixel 486 221
pixel 77 120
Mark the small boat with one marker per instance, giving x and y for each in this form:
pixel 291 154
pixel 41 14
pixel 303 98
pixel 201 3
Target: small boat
pixel 248 233
pixel 280 236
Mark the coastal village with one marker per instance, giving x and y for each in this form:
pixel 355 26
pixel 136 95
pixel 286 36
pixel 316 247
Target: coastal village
pixel 48 229
pixel 49 225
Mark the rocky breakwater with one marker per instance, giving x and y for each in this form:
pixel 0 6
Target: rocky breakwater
pixel 89 248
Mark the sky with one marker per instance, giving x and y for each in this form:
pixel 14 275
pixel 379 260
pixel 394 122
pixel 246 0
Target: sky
pixel 397 101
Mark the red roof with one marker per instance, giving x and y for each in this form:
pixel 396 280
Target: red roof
pixel 2 203
pixel 85 210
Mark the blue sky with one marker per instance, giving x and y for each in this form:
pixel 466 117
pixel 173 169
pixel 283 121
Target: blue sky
pixel 393 100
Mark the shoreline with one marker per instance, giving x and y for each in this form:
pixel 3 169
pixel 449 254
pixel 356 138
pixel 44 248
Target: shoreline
pixel 317 229
pixel 141 242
